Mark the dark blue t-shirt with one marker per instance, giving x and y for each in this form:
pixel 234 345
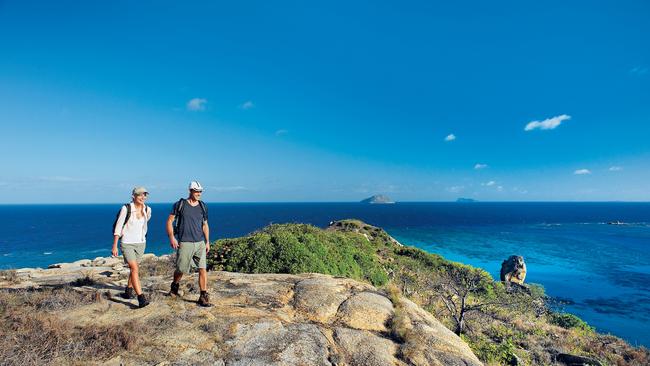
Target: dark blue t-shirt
pixel 191 221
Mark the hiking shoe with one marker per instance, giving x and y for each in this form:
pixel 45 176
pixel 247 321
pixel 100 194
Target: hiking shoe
pixel 128 293
pixel 204 299
pixel 142 301
pixel 174 289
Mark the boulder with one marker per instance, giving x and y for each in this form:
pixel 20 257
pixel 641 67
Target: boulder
pixel 148 256
pixel 107 261
pixel 574 360
pixel 63 266
pixel 270 342
pixel 426 341
pixel 366 310
pixel 361 347
pixel 83 263
pixel 319 298
pixel 513 270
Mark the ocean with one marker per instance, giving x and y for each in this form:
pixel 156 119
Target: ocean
pixel 600 271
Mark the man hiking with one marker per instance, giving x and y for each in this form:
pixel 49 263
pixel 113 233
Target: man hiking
pixel 130 228
pixel 190 237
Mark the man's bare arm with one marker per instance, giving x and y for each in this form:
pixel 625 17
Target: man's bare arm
pixel 206 234
pixel 170 231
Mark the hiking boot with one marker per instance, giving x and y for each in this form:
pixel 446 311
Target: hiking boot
pixel 142 301
pixel 128 293
pixel 174 289
pixel 204 299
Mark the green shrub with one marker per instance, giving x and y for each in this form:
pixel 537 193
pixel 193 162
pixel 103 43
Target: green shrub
pixel 491 352
pixel 421 258
pixel 299 248
pixel 569 321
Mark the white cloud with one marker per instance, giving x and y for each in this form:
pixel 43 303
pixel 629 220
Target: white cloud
pixel 196 104
pixel 489 184
pixel 500 188
pixel 455 189
pixel 479 166
pixel 247 105
pixel 547 124
pixel 615 168
pixel 520 190
pixel 582 172
pixel 450 137
pixel 639 70
pixel 281 132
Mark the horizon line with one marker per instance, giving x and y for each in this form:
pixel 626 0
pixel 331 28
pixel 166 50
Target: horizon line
pixel 299 202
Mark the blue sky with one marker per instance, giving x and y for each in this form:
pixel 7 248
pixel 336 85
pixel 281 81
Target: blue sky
pixel 331 101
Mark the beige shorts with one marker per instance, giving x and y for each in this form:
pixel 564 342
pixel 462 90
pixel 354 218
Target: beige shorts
pixel 132 251
pixel 190 255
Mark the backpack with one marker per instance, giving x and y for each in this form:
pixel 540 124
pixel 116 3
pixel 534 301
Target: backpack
pixel 179 213
pixel 128 215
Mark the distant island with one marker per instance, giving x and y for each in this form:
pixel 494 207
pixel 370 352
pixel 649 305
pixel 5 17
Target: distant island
pixel 378 198
pixel 465 200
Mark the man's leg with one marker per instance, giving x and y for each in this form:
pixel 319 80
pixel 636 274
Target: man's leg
pixel 173 291
pixel 177 276
pixel 204 298
pixel 203 279
pixel 183 265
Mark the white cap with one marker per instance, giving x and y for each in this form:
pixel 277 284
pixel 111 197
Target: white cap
pixel 195 186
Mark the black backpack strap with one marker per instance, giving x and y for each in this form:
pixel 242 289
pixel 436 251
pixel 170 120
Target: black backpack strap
pixel 179 216
pixel 126 218
pixel 203 210
pixel 181 202
pixel 128 214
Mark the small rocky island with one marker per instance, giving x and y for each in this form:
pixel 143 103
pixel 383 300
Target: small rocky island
pixel 465 200
pixel 378 199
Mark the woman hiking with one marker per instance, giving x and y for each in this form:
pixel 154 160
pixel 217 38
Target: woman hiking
pixel 130 228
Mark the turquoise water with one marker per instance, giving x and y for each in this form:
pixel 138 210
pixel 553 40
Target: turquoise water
pixel 602 271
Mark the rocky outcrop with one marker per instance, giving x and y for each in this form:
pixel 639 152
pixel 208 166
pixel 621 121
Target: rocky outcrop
pixel 258 319
pixel 513 270
pixel 356 226
pixel 574 360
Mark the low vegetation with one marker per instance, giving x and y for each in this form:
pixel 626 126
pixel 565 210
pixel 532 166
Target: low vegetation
pixel 503 325
pixel 9 275
pixel 299 248
pixel 32 334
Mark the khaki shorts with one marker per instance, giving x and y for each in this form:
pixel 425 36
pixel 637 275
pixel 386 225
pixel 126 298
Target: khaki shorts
pixel 190 255
pixel 132 252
